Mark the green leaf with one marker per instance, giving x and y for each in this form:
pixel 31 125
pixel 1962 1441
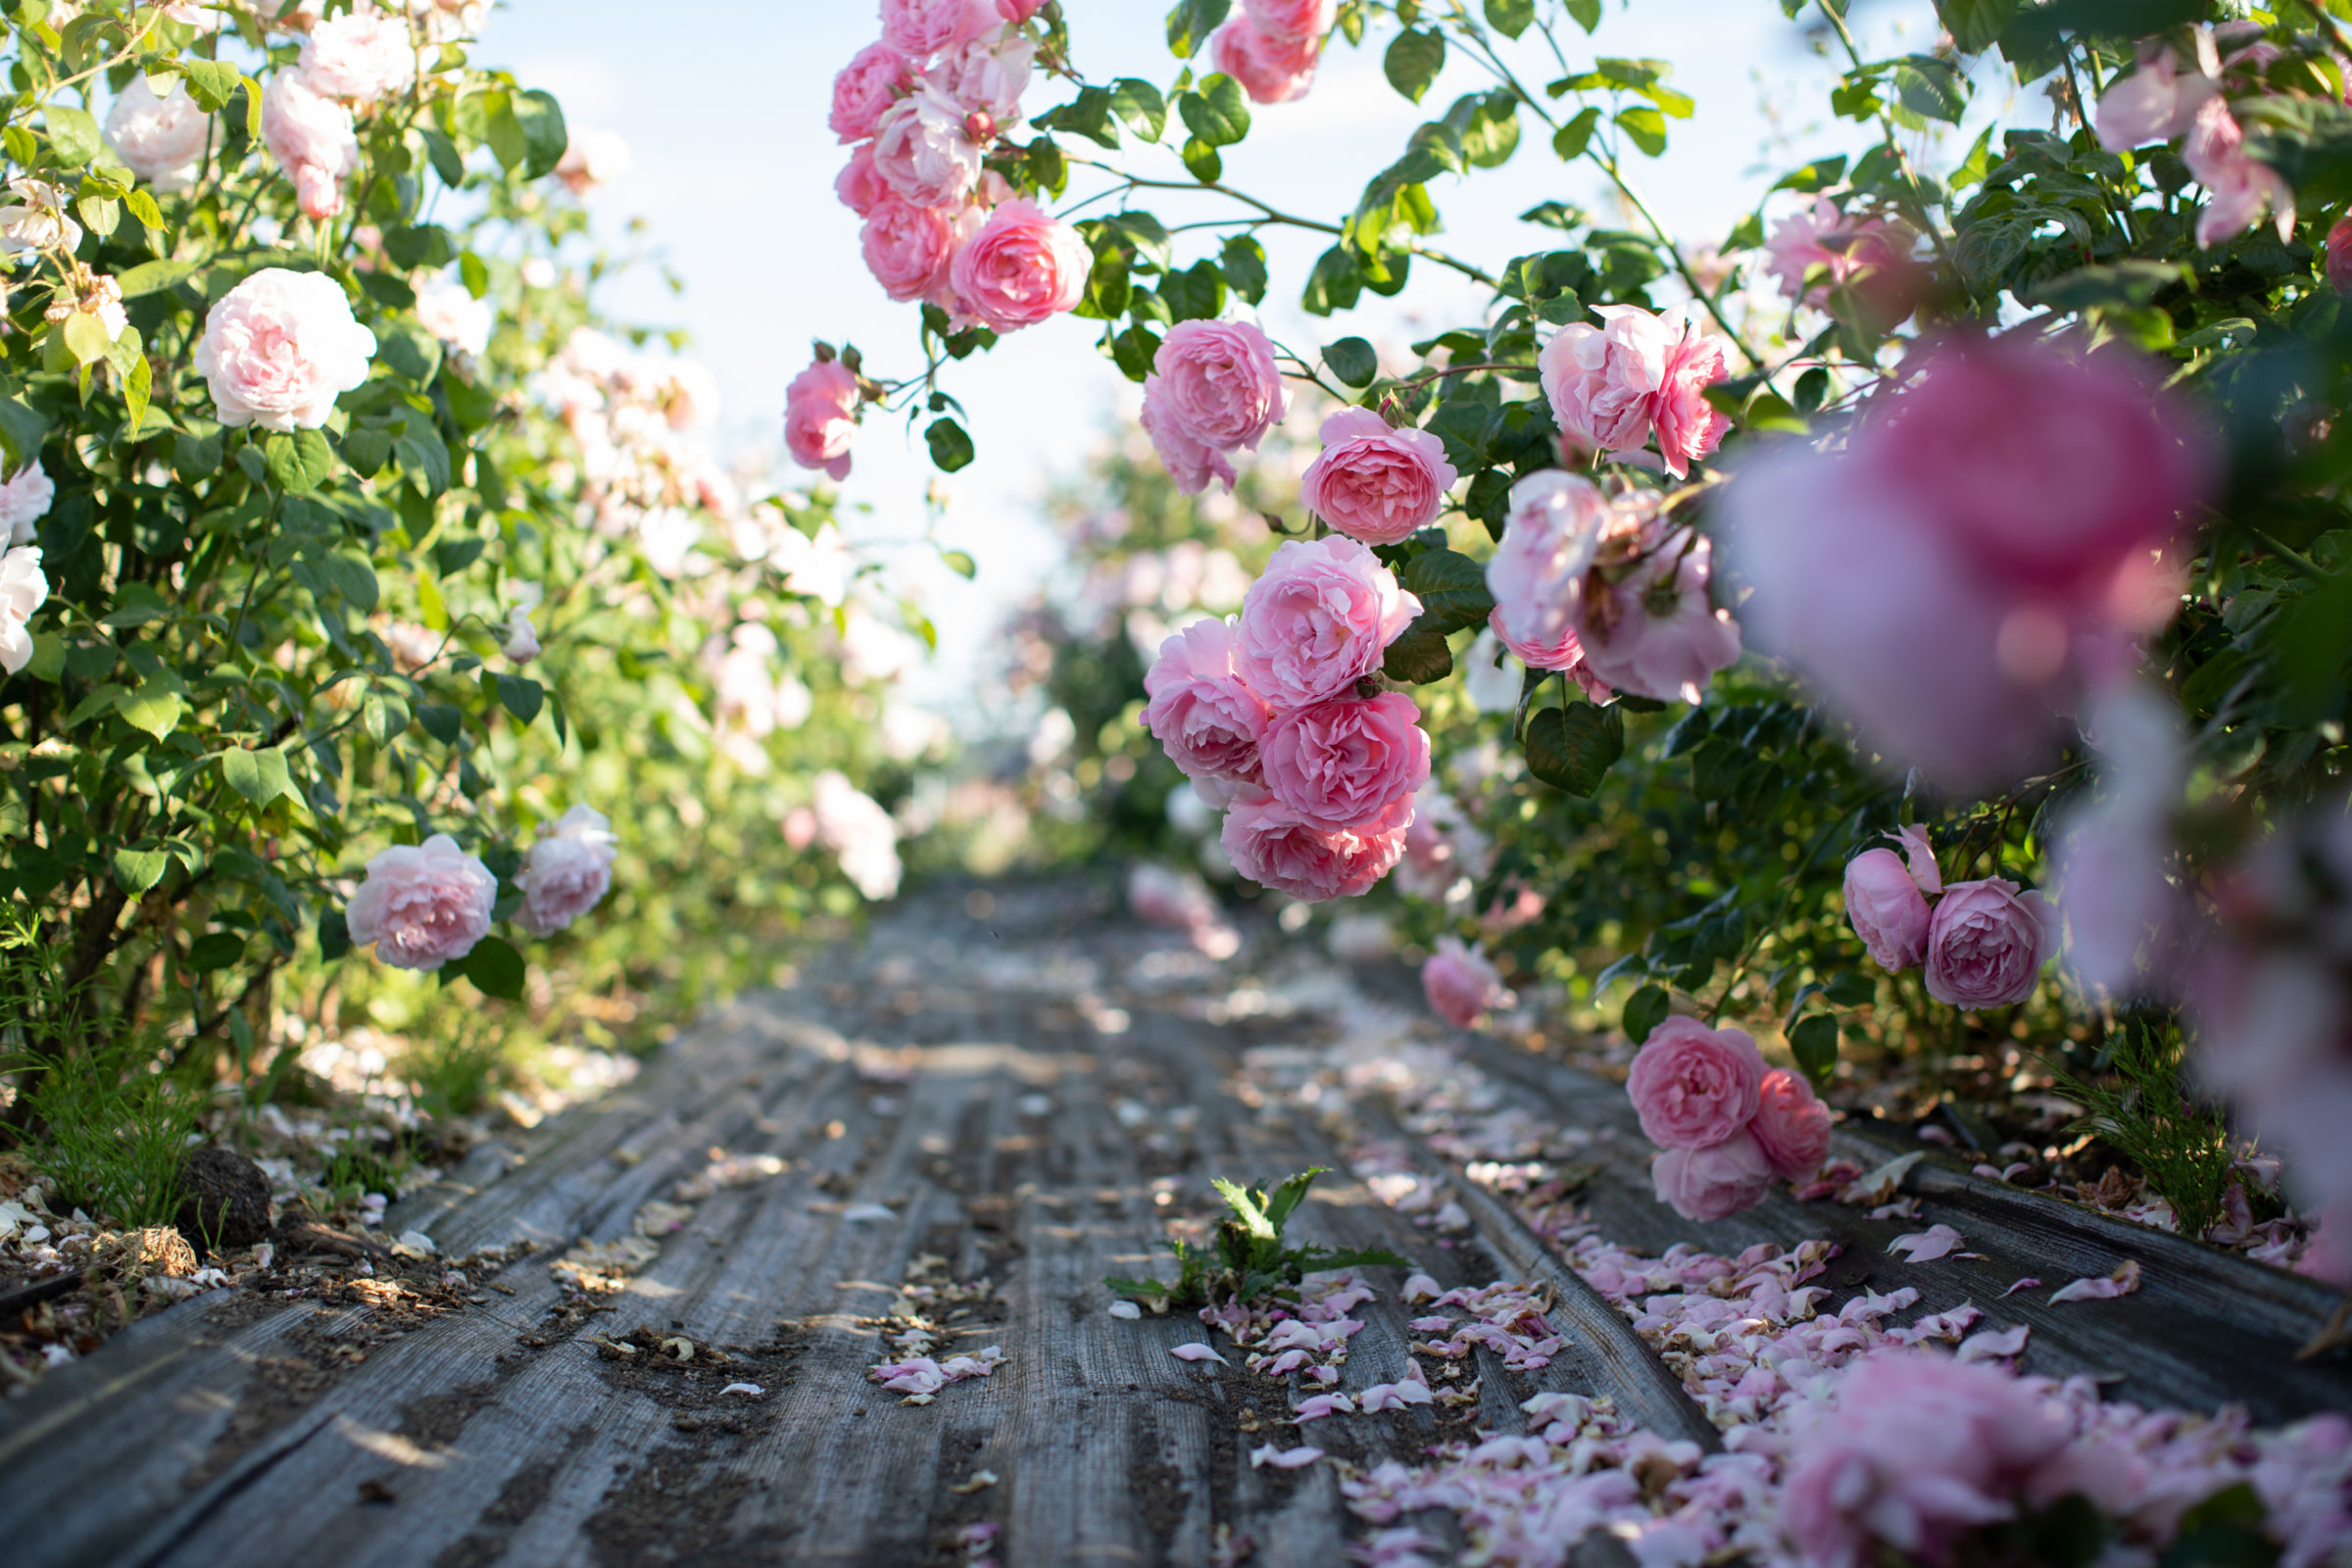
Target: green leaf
pixel 214 950
pixel 1335 284
pixel 1352 361
pixel 1218 113
pixel 84 339
pixel 443 155
pixel 509 142
pixel 1141 105
pixel 383 716
pixel 1814 1043
pixel 137 871
pixel 495 968
pixel 366 449
pixel 138 391
pixel 1819 174
pixel 2117 284
pixel 334 934
pixel 259 776
pixel 1201 160
pixel 155 707
pixel 152 278
pixel 1932 89
pixel 545 136
pixel 73 134
pixel 1195 294
pixel 424 456
pixel 1419 657
pixel 960 563
pixel 21 431
pixel 1191 23
pixel 441 721
pixel 1574 748
pixel 1585 12
pixel 1975 24
pixel 135 605
pixel 1413 62
pixel 1646 126
pixel 521 696
pixel 1512 17
pixel 1046 164
pixel 1247 1208
pixel 950 447
pixel 210 82
pixel 1134 351
pixel 1243 261
pixel 1452 588
pixel 1572 138
pixel 300 463
pixel 1644 1010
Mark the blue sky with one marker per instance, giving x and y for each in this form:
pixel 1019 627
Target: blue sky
pixel 723 104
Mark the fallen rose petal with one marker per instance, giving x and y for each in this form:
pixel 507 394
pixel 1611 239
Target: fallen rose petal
pixel 1992 1343
pixel 1316 1406
pixel 1282 1460
pixel 749 1389
pixel 1126 1309
pixel 2029 1283
pixel 1197 1352
pixel 1925 1247
pixel 1419 1287
pixel 858 1213
pixel 2101 1287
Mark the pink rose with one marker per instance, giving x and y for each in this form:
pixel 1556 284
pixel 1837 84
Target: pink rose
pixel 280 348
pixel 1884 905
pixel 908 249
pixel 1374 484
pixel 1601 379
pixel 862 836
pixel 1024 265
pixel 1461 984
pixel 2339 255
pixel 2157 102
pixel 1822 237
pixel 1986 943
pixel 857 185
pixel 1270 846
pixel 1318 620
pixel 1694 1085
pixel 1653 631
pixel 1345 762
pixel 986 77
pixel 922 152
pixel 593 160
pixel 567 872
pixel 1018 12
pixel 1203 714
pixel 1537 575
pixel 1688 426
pixel 821 416
pixel 2237 188
pixel 1919 854
pixel 1192 463
pixel 1292 19
pixel 921 28
pixel 1791 1126
pixel 422 905
pixel 361 55
pixel 160 139
pixel 1715 1182
pixel 1215 382
pixel 1270 70
pixel 866 87
pixel 313 139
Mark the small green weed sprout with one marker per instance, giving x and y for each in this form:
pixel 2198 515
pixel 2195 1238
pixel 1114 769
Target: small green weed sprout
pixel 2179 1141
pixel 1249 1263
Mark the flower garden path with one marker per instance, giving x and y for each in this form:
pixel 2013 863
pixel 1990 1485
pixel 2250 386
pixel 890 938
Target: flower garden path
pixel 994 1101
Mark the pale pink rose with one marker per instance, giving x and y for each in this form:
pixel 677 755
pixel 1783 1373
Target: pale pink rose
pixel 1215 383
pixel 1602 381
pixel 1986 943
pixel 2339 255
pixel 313 139
pixel 857 185
pixel 1270 70
pixel 1442 847
pixel 1346 761
pixel 280 348
pixel 1024 265
pixel 522 644
pixel 23 589
pixel 2157 102
pixel 1319 619
pixel 866 87
pixel 1191 464
pixel 1919 855
pixel 1884 905
pixel 922 152
pixel 1822 236
pixel 1694 1085
pixel 821 416
pixel 1176 901
pixel 197 13
pixel 361 55
pixel 593 160
pixel 2237 189
pixel 1791 1126
pixel 1715 1182
pixel 909 248
pixel 422 905
pixel 449 311
pixel 1292 19
pixel 1688 426
pixel 1653 632
pixel 160 139
pixel 36 220
pixel 1204 713
pixel 1374 484
pixel 1461 984
pixel 987 76
pixel 862 835
pixel 567 872
pixel 1270 846
pixel 2110 857
pixel 1551 535
pixel 25 499
pixel 921 28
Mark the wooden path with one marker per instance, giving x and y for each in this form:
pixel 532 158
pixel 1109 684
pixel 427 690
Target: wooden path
pixel 1014 1102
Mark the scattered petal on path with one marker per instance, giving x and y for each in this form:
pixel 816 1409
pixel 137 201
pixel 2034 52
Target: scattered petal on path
pixel 1925 1247
pixel 1281 1460
pixel 1993 1344
pixel 1126 1309
pixel 1197 1352
pixel 2102 1286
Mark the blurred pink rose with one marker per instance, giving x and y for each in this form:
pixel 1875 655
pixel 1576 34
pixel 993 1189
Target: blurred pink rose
pixel 422 905
pixel 1374 484
pixel 1822 236
pixel 864 87
pixel 1461 984
pixel 1986 943
pixel 2110 856
pixel 1884 905
pixel 1791 1126
pixel 1176 901
pixel 1715 1182
pixel 1694 1085
pixel 821 416
pixel 907 248
pixel 1442 847
pixel 567 872
pixel 2157 102
pixel 1192 463
pixel 280 348
pixel 1215 383
pixel 1564 654
pixel 1309 19
pixel 1346 761
pixel 2237 189
pixel 361 55
pixel 1020 11
pixel 1688 426
pixel 1270 70
pixel 593 160
pixel 1270 846
pixel 1319 619
pixel 1537 575
pixel 1653 631
pixel 313 139
pixel 2339 255
pixel 922 152
pixel 1601 379
pixel 1025 264
pixel 1202 712
pixel 857 185
pixel 921 28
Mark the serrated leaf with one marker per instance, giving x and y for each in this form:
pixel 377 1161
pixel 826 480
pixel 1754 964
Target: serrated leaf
pixel 1814 1043
pixel 1141 106
pixel 1452 588
pixel 1352 361
pixel 1975 24
pixel 137 871
pixel 495 968
pixel 1191 23
pixel 1217 111
pixel 1644 1010
pixel 521 696
pixel 1574 748
pixel 154 707
pixel 300 463
pixel 1243 261
pixel 259 776
pixel 1413 62
pixel 1646 126
pixel 73 134
pixel 950 447
pixel 1419 657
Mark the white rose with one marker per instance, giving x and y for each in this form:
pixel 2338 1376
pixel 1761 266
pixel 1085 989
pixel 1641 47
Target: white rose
pixel 23 592
pixel 361 55
pixel 162 140
pixel 860 833
pixel 24 501
pixel 593 158
pixel 280 348
pixel 450 313
pixel 36 220
pixel 313 139
pixel 522 637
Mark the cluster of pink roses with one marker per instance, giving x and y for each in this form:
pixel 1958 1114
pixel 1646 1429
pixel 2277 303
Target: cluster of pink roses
pixel 1617 387
pixel 1277 716
pixel 1271 47
pixel 1726 1126
pixel 1983 943
pixel 351 60
pixel 1607 592
pixel 2166 97
pixel 1955 606
pixel 426 904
